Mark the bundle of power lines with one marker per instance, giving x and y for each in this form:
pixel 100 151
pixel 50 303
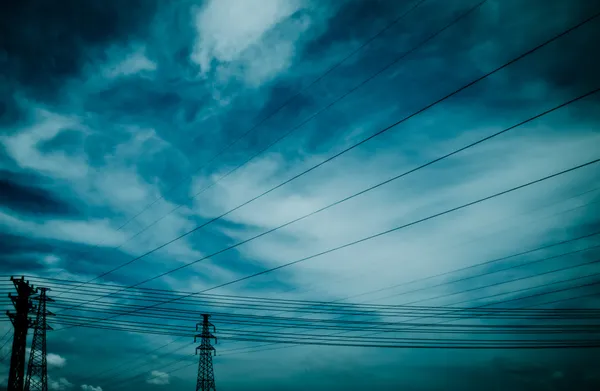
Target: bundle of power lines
pixel 311 322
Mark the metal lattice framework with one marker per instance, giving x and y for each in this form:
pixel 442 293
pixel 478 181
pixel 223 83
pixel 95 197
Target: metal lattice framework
pixel 206 376
pixel 37 369
pixel 21 323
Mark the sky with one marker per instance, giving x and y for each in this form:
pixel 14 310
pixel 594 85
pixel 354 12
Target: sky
pixel 121 127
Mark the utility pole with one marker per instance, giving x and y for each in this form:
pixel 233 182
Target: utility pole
pixel 206 376
pixel 21 323
pixel 37 368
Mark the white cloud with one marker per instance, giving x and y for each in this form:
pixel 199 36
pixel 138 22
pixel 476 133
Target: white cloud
pixel 51 259
pixel 55 360
pixel 251 39
pixel 86 387
pixel 227 28
pixel 61 384
pixel 133 63
pixel 87 232
pixel 23 147
pixel 158 378
pixel 117 185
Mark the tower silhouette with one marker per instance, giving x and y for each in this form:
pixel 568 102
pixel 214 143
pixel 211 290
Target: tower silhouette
pixel 37 368
pixel 206 376
pixel 21 323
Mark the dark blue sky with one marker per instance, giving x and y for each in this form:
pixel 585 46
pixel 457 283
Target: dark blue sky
pixel 107 106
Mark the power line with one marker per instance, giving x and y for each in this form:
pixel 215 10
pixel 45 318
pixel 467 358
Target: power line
pixel 4 336
pixel 353 306
pixel 480 237
pixel 486 312
pixel 519 278
pixel 177 331
pixel 7 336
pixel 151 328
pixel 497 303
pixel 401 327
pixel 459 313
pixel 449 310
pixel 354 309
pixel 499 314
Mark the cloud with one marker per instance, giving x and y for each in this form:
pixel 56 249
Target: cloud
pixel 61 384
pixel 254 40
pixel 132 64
pixel 120 183
pixel 226 29
pixel 23 147
pixel 54 360
pixel 86 387
pixel 158 378
pixel 93 233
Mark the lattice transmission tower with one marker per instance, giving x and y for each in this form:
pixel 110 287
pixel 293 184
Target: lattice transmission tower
pixel 21 323
pixel 206 375
pixel 37 368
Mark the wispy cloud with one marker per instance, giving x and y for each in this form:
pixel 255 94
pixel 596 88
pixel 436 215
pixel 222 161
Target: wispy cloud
pixel 62 384
pixel 242 39
pixel 133 63
pixel 158 377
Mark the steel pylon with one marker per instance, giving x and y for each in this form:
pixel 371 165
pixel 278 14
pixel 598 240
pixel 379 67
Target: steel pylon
pixel 206 376
pixel 37 368
pixel 21 323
